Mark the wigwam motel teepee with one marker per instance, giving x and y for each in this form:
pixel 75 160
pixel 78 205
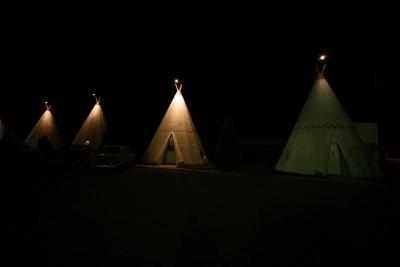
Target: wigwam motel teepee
pixel 324 140
pixel 45 127
pixel 176 141
pixel 93 128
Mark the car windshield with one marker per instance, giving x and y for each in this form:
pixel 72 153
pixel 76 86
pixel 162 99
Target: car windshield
pixel 112 149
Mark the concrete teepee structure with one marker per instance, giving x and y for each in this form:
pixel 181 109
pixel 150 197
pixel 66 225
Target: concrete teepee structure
pixel 93 128
pixel 45 127
pixel 324 140
pixel 176 141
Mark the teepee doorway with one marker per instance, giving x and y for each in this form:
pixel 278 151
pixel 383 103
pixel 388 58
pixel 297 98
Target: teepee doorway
pixel 336 163
pixel 169 156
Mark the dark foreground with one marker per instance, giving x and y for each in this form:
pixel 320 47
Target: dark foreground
pixel 154 217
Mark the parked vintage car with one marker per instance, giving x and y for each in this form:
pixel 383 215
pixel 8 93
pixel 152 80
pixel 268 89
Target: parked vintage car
pixel 113 156
pixel 79 155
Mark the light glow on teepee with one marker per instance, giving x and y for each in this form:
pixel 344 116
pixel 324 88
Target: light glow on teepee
pixel 93 128
pixel 46 126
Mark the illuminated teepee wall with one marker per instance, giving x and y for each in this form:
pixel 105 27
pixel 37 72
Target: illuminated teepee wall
pixel 93 129
pixel 46 126
pixel 176 140
pixel 324 140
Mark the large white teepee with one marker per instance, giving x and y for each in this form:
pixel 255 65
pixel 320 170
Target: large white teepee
pixel 324 140
pixel 2 130
pixel 45 127
pixel 93 129
pixel 176 141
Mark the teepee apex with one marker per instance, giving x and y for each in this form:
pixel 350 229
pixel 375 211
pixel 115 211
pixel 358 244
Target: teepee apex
pixel 178 85
pixel 48 107
pixel 97 98
pixel 321 65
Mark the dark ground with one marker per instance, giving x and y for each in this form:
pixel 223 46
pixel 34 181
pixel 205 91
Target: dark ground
pixel 154 217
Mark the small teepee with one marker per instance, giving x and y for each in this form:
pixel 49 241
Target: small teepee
pixel 45 127
pixel 324 140
pixel 93 129
pixel 2 130
pixel 176 141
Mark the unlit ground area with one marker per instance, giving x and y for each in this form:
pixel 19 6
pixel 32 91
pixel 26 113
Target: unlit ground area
pixel 165 217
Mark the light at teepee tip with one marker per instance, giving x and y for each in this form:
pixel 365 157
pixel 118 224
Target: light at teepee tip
pixel 322 57
pixel 176 81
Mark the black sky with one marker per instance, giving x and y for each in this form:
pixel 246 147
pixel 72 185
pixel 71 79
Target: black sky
pixel 260 78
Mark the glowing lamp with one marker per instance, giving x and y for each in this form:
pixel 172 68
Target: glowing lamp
pixel 176 81
pixel 322 57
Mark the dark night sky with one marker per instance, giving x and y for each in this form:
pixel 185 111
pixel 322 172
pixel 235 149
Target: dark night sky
pixel 260 78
